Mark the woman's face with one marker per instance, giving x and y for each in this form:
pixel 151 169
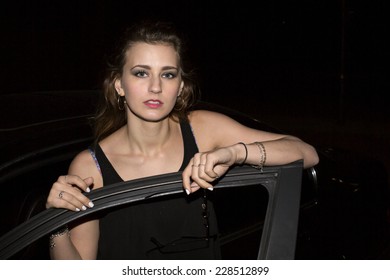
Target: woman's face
pixel 151 81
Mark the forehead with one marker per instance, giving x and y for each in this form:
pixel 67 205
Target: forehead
pixel 152 54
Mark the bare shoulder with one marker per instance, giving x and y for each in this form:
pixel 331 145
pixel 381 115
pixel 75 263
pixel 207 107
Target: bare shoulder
pixel 210 121
pixel 84 166
pixel 83 158
pixel 224 130
pixel 209 118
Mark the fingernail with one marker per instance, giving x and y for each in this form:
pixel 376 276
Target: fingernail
pixel 84 208
pixel 187 191
pixel 77 209
pixel 88 189
pixel 210 189
pixel 90 204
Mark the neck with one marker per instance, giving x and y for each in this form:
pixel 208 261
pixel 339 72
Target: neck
pixel 149 138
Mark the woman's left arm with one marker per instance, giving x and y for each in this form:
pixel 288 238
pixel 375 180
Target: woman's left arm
pixel 223 142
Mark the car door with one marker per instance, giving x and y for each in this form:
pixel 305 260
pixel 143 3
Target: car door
pixel 257 212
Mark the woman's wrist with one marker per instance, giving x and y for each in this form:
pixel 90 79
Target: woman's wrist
pixel 243 150
pixel 262 156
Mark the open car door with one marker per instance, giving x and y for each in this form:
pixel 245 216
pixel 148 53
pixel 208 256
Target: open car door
pixel 276 189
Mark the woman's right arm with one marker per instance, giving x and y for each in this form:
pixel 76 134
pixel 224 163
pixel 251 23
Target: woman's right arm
pixel 79 241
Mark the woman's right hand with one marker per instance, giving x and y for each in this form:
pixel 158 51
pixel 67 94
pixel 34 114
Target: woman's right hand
pixel 66 193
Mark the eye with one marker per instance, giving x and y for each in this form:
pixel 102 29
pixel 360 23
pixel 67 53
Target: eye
pixel 140 73
pixel 169 75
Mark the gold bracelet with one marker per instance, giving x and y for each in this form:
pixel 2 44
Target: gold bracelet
pixel 263 156
pixel 63 230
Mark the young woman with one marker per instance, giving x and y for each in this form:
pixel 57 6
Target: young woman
pixel 145 126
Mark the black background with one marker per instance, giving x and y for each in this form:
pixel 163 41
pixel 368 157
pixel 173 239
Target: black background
pixel 317 68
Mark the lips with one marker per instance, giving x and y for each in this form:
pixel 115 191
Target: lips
pixel 152 103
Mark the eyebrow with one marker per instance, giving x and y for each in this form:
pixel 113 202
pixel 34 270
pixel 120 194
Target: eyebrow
pixel 148 67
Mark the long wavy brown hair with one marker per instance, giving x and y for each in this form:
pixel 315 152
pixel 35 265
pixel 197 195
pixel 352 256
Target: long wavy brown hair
pixel 110 114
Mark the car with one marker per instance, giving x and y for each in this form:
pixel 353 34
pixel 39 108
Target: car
pixel 337 209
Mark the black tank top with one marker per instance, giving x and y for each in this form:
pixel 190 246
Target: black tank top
pixel 161 228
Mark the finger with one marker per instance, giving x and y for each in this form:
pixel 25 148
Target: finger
pixel 199 178
pixel 200 183
pixel 74 196
pixel 209 171
pixel 194 187
pixel 60 199
pixel 191 175
pixel 83 184
pixel 196 160
pixel 63 194
pixel 206 173
pixel 64 202
pixel 208 164
pixel 203 173
pixel 186 177
pixel 77 202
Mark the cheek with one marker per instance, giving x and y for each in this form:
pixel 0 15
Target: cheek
pixel 133 89
pixel 173 89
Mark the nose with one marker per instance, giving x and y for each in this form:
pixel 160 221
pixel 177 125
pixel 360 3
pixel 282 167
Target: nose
pixel 155 85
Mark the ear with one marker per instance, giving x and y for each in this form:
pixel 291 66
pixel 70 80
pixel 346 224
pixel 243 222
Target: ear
pixel 118 87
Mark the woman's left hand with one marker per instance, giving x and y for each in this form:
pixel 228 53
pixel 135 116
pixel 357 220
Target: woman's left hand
pixel 204 168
